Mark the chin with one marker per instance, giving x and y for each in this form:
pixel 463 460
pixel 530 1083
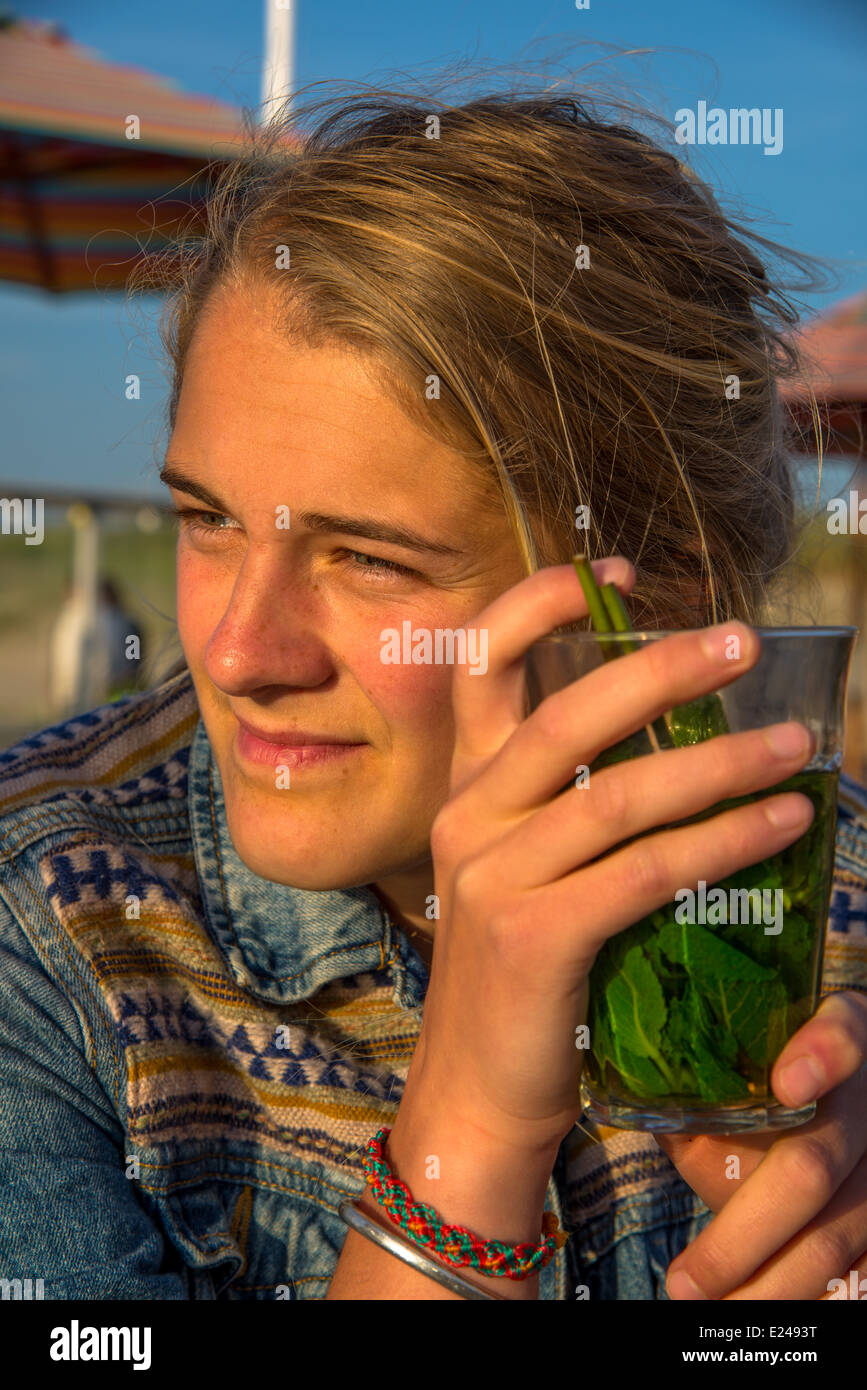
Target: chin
pixel 318 862
pixel 318 859
pixel 266 848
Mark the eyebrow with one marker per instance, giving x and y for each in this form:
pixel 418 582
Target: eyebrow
pixel 172 476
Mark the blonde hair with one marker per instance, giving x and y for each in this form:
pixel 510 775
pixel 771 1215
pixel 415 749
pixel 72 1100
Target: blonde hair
pixel 454 259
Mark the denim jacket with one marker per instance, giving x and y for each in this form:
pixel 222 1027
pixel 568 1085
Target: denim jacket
pixel 192 1058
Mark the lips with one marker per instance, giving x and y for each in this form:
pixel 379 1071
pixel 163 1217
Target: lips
pixel 293 748
pixel 294 738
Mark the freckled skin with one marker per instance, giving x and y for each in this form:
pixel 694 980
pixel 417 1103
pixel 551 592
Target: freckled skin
pixel 282 626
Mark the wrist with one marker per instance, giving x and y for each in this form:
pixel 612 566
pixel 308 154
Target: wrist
pixel 465 1110
pixel 496 1189
pixel 491 1193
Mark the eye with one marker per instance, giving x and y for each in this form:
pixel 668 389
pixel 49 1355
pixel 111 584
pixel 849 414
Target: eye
pixel 378 563
pixel 195 519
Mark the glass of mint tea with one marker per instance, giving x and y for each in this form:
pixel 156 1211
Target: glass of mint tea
pixel 690 1007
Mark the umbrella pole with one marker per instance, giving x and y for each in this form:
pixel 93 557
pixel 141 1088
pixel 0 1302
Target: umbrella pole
pixel 277 74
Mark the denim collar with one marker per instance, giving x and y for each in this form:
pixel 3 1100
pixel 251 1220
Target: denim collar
pixel 284 943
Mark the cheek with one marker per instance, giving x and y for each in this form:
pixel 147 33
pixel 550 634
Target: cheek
pixel 201 603
pixel 414 700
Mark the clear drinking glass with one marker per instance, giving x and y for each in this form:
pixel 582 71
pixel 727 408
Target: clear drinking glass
pixel 690 1007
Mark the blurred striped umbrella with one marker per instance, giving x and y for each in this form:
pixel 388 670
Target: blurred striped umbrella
pixel 99 163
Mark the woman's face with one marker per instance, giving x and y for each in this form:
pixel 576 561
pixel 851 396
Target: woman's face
pixel 281 610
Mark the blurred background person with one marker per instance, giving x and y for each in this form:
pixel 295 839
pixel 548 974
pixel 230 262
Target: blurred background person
pixel 96 649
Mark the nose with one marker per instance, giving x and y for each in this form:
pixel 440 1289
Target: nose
pixel 268 634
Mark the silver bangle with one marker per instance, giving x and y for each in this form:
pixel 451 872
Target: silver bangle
pixel 411 1254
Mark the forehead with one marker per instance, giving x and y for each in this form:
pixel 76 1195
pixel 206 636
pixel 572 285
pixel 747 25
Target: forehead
pixel 255 396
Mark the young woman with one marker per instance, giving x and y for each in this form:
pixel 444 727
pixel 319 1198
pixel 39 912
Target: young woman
pixel 298 892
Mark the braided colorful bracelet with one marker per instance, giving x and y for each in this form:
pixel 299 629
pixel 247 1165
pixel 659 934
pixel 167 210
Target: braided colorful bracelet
pixel 455 1244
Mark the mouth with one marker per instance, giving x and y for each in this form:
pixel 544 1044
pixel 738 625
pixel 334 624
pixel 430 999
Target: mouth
pixel 291 748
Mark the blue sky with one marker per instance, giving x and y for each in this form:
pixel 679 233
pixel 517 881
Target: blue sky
pixel 63 362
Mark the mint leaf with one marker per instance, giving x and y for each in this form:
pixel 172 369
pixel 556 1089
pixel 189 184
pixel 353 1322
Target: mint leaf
pixel 640 1076
pixel 710 1051
pixel 708 958
pixel 683 1012
pixel 633 1072
pixel 636 1002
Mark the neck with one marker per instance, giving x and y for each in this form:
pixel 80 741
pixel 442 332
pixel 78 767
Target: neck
pixel 408 913
pixel 405 897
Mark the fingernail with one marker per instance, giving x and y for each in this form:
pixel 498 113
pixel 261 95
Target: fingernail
pixel 721 645
pixel 787 740
pixel 802 1080
pixel 788 811
pixel 679 1285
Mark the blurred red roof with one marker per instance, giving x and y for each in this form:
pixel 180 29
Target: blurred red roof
pixel 834 345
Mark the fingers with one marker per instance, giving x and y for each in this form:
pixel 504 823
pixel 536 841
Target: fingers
pixel 488 708
pixel 607 704
pixel 703 1161
pixel 836 1036
pixel 626 885
pixel 825 1052
pixel 830 1248
pixel 629 798
pixel 799 1217
pixel 852 1284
